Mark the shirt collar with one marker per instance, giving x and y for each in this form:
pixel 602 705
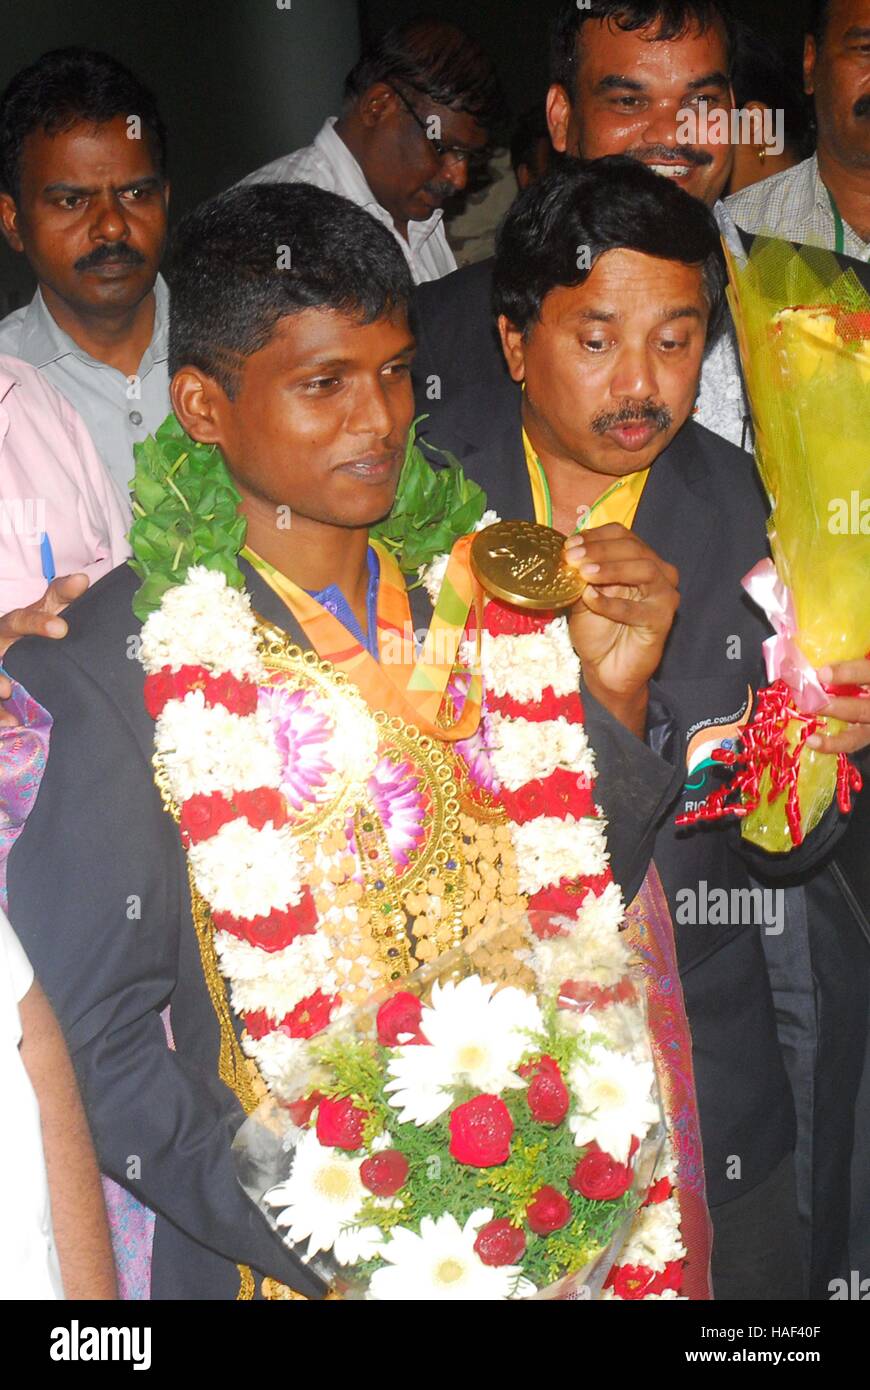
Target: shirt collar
pixel 44 341
pixel 355 186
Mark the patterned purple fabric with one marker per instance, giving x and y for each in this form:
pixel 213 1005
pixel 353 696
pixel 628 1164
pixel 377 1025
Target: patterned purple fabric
pixel 23 751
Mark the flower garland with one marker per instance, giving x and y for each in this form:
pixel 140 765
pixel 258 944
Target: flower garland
pixel 247 760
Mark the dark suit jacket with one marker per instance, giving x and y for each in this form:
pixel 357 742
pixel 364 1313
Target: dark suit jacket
pixel 703 510
pixel 457 340
pixel 98 892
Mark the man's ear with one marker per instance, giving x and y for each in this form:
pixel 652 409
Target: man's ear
pixel 558 116
pixel 379 101
pixel 9 222
pixel 810 56
pixel 513 346
pixel 199 403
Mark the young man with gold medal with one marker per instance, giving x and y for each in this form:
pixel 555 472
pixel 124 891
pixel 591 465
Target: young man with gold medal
pixel 342 806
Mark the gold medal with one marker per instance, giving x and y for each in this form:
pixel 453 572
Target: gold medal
pixel 521 563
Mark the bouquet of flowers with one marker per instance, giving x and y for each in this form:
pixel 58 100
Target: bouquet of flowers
pixel 803 325
pixel 489 1130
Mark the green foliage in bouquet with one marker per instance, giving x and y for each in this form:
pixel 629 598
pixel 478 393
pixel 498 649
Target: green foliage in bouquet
pixel 185 512
pixel 433 508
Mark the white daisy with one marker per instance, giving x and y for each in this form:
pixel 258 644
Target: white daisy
pixel 477 1036
pixel 441 1263
pixel 320 1201
pixel 613 1100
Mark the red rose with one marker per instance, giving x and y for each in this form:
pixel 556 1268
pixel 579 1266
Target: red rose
pixel 659 1192
pixel 499 617
pixel 310 1015
pixel 671 1277
pixel 500 1243
pixel 567 896
pixel 275 932
pixel 239 697
pixel 302 1110
pixel 548 1211
pixel 599 1176
pixel 385 1172
pixel 340 1124
pixel 631 1281
pixel 258 1024
pixel 203 815
pixel 480 1132
pixel 261 805
pixel 159 689
pixel 547 1095
pixel 549 706
pixel 401 1014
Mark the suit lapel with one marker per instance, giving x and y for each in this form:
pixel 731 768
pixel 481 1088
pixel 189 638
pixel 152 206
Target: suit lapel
pixel 266 602
pixel 676 516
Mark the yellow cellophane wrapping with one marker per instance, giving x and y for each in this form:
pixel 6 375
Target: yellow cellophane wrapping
pixel 805 348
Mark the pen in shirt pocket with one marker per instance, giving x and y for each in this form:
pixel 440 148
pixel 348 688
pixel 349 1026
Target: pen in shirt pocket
pixel 46 554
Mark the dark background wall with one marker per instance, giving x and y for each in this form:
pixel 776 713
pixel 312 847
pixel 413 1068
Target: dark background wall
pixel 238 81
pixel 241 81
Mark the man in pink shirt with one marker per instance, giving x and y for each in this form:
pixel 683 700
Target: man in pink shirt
pixel 59 513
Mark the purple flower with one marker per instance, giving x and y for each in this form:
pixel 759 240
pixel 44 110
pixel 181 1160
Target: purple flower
pixel 302 737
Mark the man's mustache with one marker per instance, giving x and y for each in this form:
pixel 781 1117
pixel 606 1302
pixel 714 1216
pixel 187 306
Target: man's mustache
pixel 666 154
pixel 658 415
pixel 862 106
pixel 110 253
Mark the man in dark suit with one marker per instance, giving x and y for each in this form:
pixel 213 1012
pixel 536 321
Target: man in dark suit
pixel 607 359
pixel 301 376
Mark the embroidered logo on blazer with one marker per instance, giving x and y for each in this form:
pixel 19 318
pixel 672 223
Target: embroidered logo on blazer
pixel 706 736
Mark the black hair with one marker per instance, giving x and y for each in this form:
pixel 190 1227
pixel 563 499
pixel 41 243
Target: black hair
pixel 673 19
pixel 65 87
pixel 820 13
pixel 438 60
pixel 761 74
pixel 599 205
pixel 530 127
pixel 254 255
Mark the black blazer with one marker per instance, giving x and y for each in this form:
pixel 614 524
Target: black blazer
pixel 703 510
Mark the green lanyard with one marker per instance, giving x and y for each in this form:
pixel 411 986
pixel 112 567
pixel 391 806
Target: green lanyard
pixel 839 229
pixel 614 487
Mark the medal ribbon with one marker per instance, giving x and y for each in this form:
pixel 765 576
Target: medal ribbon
pixel 400 684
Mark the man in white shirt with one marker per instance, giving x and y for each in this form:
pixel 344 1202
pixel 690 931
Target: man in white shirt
pixel 825 201
pixel 418 110
pixel 53 1233
pixel 85 198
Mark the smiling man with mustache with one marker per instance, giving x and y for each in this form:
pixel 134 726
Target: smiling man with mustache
pixel 85 198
